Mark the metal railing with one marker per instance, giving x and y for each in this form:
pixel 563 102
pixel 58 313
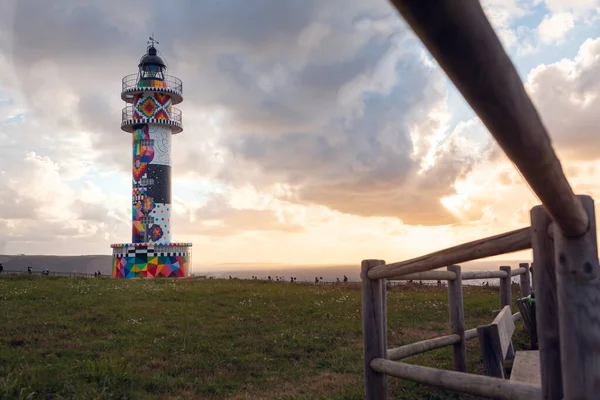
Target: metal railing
pixel 169 82
pixel 127 114
pixel 51 273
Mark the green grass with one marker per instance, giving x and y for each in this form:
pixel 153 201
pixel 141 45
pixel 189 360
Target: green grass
pixel 166 339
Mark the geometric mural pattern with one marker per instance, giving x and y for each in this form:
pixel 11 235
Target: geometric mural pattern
pixel 168 266
pixel 152 83
pixel 151 172
pixel 132 260
pixel 152 105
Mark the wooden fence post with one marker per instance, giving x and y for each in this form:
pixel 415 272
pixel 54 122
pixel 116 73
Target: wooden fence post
pixel 524 282
pixel 506 300
pixel 505 289
pixel 457 319
pixel 546 306
pixel 578 293
pixel 374 331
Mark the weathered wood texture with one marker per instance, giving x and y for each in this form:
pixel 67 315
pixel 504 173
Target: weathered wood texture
pixel 461 39
pixel 472 333
pixel 505 289
pixel 495 342
pixel 546 309
pixel 456 315
pixel 526 368
pixel 492 246
pixel 423 346
pixel 524 282
pixel 469 275
pixel 578 290
pixel 518 271
pixel 374 345
pixel 477 385
pixel 424 276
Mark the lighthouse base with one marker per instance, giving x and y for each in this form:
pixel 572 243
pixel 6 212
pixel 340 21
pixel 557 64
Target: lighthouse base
pixel 150 260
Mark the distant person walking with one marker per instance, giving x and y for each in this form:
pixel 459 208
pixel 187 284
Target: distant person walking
pixel 29 270
pixel 345 279
pixel 316 279
pixel 1 268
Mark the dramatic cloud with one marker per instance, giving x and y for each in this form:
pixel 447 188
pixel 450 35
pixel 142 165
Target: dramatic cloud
pixel 567 95
pixel 304 121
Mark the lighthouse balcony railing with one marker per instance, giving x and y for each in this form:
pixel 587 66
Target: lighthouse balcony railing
pixel 127 114
pixel 169 82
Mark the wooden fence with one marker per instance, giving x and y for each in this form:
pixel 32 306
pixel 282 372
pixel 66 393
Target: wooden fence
pixel 562 232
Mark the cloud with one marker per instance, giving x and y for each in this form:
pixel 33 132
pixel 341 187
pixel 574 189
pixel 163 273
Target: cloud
pixel 301 119
pixel 566 94
pixel 554 27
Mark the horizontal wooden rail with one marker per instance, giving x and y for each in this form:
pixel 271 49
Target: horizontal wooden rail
pixel 470 334
pixel 492 246
pixel 423 346
pixel 426 276
pixel 462 40
pixel 518 271
pixel 478 385
pixel 470 275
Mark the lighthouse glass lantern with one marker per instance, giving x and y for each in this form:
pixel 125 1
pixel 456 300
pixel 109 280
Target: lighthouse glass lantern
pixel 151 120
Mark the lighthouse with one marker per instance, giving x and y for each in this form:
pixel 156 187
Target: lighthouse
pixel 151 120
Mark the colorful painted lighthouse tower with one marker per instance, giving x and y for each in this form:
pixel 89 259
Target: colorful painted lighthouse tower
pixel 151 119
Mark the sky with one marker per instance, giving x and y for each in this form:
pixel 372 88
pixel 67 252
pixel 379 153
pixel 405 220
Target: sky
pixel 315 132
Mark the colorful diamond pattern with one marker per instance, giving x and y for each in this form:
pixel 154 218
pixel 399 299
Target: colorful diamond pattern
pixel 162 98
pixel 161 115
pixel 170 266
pixel 147 107
pixel 154 105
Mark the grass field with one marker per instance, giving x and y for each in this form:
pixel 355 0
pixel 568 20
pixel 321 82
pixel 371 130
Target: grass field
pixel 222 339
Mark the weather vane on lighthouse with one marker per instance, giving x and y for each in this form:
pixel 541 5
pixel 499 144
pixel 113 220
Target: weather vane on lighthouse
pixel 152 41
pixel 151 119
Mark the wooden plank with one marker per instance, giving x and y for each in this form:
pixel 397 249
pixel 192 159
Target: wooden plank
pixel 491 353
pixel 461 39
pixel 373 331
pixel 506 300
pixel 524 282
pixel 508 242
pixel 526 368
pixel 506 328
pixel 495 342
pixel 472 333
pixel 424 276
pixel 505 288
pixel 518 271
pixel 578 293
pixel 456 315
pixel 469 275
pixel 423 346
pixel 461 382
pixel 546 304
